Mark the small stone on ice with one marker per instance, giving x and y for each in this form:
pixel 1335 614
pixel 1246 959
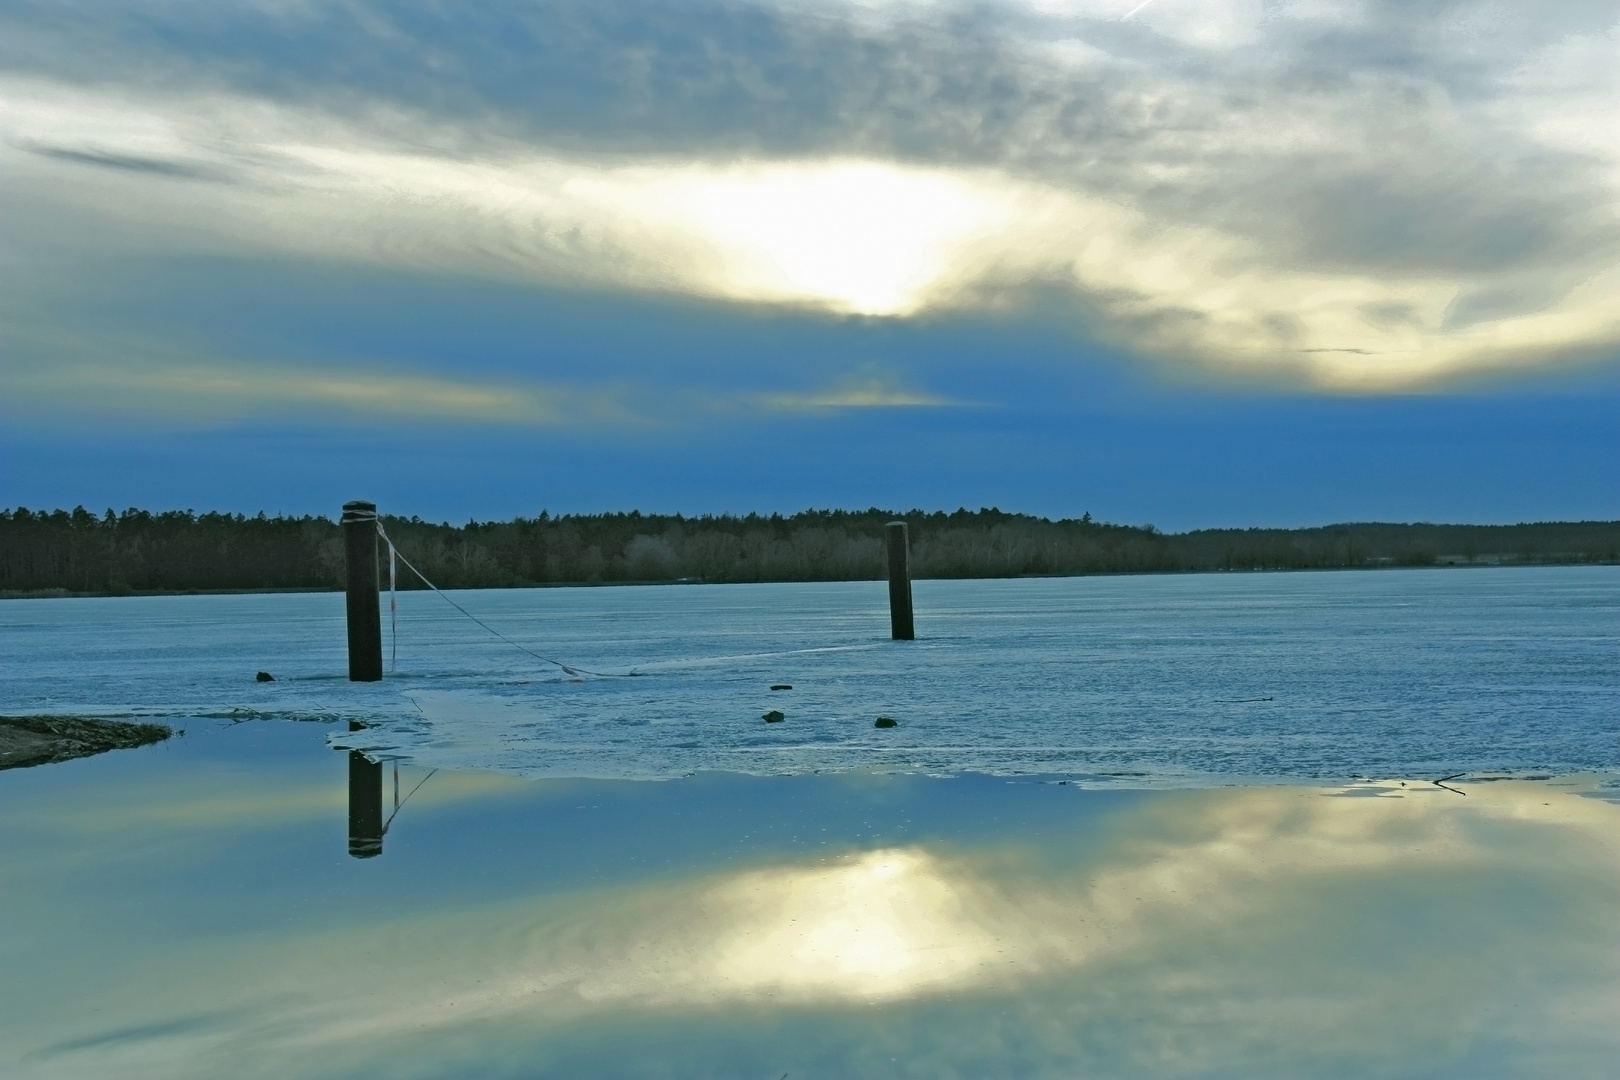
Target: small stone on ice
pixel 265 676
pixel 885 721
pixel 773 717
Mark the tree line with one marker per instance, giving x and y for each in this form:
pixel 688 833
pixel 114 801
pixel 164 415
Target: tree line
pixel 138 551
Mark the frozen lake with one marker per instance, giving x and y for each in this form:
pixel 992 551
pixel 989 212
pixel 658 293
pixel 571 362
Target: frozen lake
pixel 1183 680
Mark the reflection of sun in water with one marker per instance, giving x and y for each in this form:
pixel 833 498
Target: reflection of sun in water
pixel 1197 890
pixel 886 923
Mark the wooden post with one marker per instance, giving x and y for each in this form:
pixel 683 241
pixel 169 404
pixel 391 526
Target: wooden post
pixel 364 604
pixel 899 581
pixel 365 803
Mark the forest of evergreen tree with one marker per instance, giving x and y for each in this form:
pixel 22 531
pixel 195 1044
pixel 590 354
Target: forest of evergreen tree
pixel 79 552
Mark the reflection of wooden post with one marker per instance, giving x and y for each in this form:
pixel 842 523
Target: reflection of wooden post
pixel 364 608
pixel 899 581
pixel 365 803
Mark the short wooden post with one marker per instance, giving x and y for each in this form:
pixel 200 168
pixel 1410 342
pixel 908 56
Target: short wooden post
pixel 899 581
pixel 365 803
pixel 364 602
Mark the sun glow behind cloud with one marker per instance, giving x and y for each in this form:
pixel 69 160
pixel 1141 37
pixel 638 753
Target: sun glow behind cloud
pixel 857 237
pixel 1383 233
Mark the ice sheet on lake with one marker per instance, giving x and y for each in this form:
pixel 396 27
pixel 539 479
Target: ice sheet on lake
pixel 1125 679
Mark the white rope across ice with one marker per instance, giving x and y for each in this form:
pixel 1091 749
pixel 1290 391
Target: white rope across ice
pixel 394 553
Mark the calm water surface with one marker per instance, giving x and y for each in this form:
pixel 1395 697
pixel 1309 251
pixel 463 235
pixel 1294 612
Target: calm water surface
pixel 1177 679
pixel 191 911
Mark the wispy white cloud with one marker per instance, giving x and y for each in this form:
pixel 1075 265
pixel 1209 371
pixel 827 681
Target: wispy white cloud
pixel 83 374
pixel 858 393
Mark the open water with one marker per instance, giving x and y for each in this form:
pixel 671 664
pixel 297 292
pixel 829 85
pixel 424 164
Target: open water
pixel 1182 680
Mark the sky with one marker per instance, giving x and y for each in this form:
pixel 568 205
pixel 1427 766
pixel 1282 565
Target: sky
pixel 1189 262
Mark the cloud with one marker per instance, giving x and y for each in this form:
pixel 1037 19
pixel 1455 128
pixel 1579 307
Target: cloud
pixel 85 374
pixel 869 393
pixel 1364 196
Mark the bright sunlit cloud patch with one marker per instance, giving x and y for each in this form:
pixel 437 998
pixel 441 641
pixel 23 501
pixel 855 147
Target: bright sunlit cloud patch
pixel 858 237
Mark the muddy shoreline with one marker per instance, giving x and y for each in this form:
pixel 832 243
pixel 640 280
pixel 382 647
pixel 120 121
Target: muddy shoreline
pixel 41 740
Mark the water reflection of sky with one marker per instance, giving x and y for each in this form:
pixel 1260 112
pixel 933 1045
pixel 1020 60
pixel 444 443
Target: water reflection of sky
pixel 192 910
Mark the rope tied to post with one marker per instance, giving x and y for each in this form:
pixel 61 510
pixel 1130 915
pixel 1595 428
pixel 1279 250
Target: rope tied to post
pixel 394 552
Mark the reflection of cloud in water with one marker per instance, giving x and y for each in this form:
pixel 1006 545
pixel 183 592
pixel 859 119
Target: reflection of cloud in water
pixel 241 800
pixel 900 922
pixel 1212 930
pixel 884 924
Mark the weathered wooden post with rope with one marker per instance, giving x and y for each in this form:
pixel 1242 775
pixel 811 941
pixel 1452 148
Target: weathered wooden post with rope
pixel 364 609
pixel 365 803
pixel 899 581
